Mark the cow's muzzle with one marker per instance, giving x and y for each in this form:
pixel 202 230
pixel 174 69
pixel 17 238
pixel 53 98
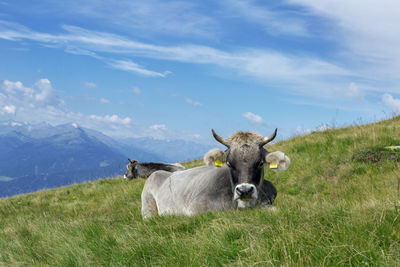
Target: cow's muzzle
pixel 245 192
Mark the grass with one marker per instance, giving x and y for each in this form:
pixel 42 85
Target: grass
pixel 338 204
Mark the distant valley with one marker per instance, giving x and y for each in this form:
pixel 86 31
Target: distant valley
pixel 38 156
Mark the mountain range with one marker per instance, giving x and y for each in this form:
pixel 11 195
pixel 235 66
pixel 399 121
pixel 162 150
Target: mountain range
pixel 39 156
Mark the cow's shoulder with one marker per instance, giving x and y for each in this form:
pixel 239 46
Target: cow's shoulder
pixel 157 178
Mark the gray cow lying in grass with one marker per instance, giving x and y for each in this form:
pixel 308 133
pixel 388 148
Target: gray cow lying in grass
pixel 239 183
pixel 136 169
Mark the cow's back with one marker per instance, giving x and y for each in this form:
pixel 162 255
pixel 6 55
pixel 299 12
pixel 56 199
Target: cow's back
pixel 146 169
pixel 194 191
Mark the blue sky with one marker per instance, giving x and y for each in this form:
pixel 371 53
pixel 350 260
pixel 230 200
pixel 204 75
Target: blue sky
pixel 176 69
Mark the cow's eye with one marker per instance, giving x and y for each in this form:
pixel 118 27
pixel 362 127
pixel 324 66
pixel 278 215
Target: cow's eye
pixel 229 164
pixel 260 164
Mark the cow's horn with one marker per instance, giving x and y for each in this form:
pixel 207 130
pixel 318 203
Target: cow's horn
pixel 223 141
pixel 268 139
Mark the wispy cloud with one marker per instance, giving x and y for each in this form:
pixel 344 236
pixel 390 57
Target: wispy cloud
pixel 253 118
pixel 272 21
pixel 104 100
pixel 267 65
pixel 90 84
pixel 146 18
pixel 368 35
pixel 162 127
pixel 295 73
pixel 136 90
pixel 193 103
pixel 130 66
pixel 111 118
pixel 354 92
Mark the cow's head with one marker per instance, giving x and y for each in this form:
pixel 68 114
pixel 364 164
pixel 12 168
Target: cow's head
pixel 245 158
pixel 131 169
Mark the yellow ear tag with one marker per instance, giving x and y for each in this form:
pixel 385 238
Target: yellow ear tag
pixel 273 165
pixel 130 167
pixel 218 163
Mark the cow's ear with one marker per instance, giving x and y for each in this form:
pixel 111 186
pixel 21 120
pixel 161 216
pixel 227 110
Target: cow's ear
pixel 215 157
pixel 277 161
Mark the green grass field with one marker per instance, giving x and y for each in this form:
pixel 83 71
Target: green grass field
pixel 338 204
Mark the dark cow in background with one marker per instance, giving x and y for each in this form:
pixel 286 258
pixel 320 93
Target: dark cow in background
pixel 239 183
pixel 143 170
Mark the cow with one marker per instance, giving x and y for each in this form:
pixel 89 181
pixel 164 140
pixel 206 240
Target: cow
pixel 136 169
pixel 238 184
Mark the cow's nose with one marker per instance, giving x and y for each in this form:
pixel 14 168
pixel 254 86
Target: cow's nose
pixel 238 191
pixel 243 190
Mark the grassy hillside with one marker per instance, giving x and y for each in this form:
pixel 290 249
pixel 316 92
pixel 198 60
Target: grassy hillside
pixel 338 204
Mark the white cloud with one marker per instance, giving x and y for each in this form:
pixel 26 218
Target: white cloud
pixel 111 118
pixel 264 64
pixel 105 100
pixel 15 104
pixel 273 22
pixel 367 28
pixel 158 127
pixel 9 87
pixel 193 103
pixel 136 90
pixel 296 72
pixel 41 94
pixel 40 103
pixel 130 66
pixel 146 18
pixel 46 95
pixel 10 109
pixel 14 124
pixel 104 163
pixel 354 91
pixel 254 118
pixel 392 103
pixel 15 87
pixel 90 84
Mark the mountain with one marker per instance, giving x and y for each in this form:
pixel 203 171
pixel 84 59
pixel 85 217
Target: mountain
pixel 167 149
pixel 38 156
pixel 43 156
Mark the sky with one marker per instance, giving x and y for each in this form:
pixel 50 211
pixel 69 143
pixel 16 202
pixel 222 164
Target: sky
pixel 176 69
